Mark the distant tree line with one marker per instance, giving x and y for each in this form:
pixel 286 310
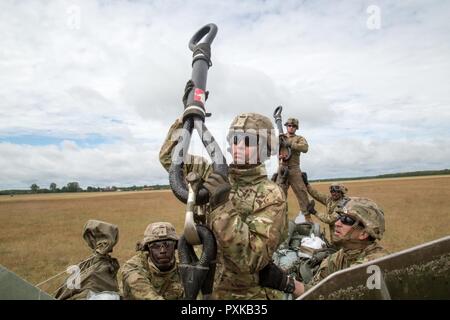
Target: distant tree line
pixel 53 188
pixel 393 175
pixel 75 187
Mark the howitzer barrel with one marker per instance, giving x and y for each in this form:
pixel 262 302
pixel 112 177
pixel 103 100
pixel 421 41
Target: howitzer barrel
pixel 201 61
pixel 194 116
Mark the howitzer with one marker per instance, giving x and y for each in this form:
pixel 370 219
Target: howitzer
pixel 194 117
pixel 196 274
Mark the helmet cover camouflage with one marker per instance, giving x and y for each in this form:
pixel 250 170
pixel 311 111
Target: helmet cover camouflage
pixel 339 187
pixel 292 121
pixel 159 231
pixel 368 213
pixel 255 124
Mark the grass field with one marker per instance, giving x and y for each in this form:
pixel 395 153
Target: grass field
pixel 41 234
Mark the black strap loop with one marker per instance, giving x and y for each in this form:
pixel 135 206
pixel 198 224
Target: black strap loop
pixel 202 51
pixel 197 274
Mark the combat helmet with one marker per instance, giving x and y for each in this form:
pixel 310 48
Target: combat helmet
pixel 292 121
pixel 338 187
pixel 368 213
pixel 256 125
pixel 156 232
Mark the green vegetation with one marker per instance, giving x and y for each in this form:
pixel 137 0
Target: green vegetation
pixel 75 187
pixel 392 175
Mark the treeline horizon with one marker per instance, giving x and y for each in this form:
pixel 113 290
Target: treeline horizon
pixel 75 186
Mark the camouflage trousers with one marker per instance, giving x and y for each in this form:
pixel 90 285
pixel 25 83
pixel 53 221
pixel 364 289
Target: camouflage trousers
pixel 295 181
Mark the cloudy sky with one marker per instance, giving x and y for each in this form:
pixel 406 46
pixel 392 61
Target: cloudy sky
pixel 88 89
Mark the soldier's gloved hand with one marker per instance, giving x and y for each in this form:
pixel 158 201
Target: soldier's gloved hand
pixel 310 207
pixel 305 178
pixel 272 276
pixel 274 177
pixel 219 189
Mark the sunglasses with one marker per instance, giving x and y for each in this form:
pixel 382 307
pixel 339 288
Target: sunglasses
pixel 335 189
pixel 161 244
pixel 290 126
pixel 249 139
pixel 347 220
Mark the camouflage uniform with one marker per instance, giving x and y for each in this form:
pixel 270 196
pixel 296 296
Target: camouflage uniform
pixel 330 216
pixel 140 279
pixel 249 227
pixel 298 145
pixel 346 258
pixel 354 252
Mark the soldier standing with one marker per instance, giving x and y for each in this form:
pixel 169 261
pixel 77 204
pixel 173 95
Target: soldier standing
pixel 247 212
pixel 298 144
pixel 357 231
pixel 152 274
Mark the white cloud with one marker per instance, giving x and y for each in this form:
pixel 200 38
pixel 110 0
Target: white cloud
pixel 378 96
pixel 350 157
pixel 132 164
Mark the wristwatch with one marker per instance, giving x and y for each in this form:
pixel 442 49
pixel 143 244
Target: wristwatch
pixel 290 284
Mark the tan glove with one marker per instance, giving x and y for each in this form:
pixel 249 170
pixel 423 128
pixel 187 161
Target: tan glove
pixel 310 207
pixel 219 189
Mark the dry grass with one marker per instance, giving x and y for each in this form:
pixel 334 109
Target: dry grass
pixel 416 210
pixel 42 233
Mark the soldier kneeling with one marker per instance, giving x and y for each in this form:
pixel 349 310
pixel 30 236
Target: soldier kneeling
pixel 152 274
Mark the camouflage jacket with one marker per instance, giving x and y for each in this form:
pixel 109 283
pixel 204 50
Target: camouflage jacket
pixel 345 258
pixel 298 145
pixel 248 228
pixel 140 280
pixel 328 217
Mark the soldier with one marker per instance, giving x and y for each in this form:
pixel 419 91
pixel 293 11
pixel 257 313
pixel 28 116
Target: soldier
pixel 152 274
pixel 298 144
pixel 337 199
pixel 247 212
pixel 357 231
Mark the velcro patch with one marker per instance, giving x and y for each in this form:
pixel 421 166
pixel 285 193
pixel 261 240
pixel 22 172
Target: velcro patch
pixel 161 231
